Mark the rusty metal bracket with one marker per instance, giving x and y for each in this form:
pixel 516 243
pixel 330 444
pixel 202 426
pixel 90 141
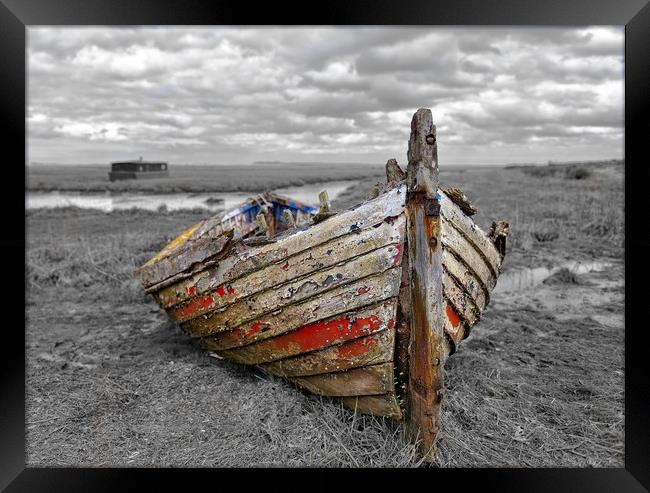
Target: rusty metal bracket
pixel 432 207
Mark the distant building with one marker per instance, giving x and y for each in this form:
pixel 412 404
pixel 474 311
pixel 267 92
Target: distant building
pixel 129 170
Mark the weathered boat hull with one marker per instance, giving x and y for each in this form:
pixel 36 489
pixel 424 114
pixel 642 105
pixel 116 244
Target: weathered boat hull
pixel 331 306
pixel 321 301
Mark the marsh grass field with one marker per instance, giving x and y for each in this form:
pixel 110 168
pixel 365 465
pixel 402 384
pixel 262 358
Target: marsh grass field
pixel 539 382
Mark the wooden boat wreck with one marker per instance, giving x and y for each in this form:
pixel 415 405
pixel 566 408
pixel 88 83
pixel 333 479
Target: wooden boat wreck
pixel 363 305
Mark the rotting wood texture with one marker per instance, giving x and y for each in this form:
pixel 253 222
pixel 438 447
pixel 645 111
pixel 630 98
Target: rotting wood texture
pixel 454 242
pixel 454 217
pixel 427 340
pixel 355 220
pixel 314 284
pixel 363 292
pixel 369 380
pixel 459 198
pixel 379 405
pixel 463 303
pixel 321 256
pixel 466 278
pixel 184 256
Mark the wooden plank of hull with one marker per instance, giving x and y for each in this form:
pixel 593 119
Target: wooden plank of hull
pixel 378 405
pixel 314 284
pixel 318 335
pixel 369 380
pixel 322 256
pixel 364 216
pixel 369 350
pixel 183 257
pixel 451 213
pixel 455 242
pixel 466 279
pixel 363 292
pixel 462 302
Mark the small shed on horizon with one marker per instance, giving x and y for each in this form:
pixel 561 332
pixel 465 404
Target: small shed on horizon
pixel 129 170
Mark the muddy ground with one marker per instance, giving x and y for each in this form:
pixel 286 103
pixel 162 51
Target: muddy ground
pixel 539 382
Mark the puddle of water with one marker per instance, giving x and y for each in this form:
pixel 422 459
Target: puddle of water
pixel 309 193
pixel 526 278
pixel 213 202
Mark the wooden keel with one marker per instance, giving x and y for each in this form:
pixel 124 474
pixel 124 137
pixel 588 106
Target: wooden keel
pixel 427 348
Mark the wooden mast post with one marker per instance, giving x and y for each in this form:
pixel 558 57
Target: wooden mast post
pixel 427 343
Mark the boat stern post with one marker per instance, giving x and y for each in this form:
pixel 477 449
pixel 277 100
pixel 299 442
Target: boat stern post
pixel 427 349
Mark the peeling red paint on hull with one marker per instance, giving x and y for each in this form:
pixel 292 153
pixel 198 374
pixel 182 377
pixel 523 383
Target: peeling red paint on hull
pixel 355 348
pixel 452 316
pixel 193 306
pixel 319 335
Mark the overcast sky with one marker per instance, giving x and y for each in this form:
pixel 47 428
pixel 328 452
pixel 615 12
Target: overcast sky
pixel 235 95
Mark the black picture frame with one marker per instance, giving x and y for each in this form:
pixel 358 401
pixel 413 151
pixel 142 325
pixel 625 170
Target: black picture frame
pixel 17 15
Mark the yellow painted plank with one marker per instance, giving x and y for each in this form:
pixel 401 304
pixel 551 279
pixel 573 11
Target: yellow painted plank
pixel 368 214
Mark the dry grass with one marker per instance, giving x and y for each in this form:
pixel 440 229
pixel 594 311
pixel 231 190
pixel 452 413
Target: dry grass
pixel 111 381
pixel 532 390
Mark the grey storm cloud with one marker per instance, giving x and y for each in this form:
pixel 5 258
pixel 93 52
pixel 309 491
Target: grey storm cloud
pixel 224 95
